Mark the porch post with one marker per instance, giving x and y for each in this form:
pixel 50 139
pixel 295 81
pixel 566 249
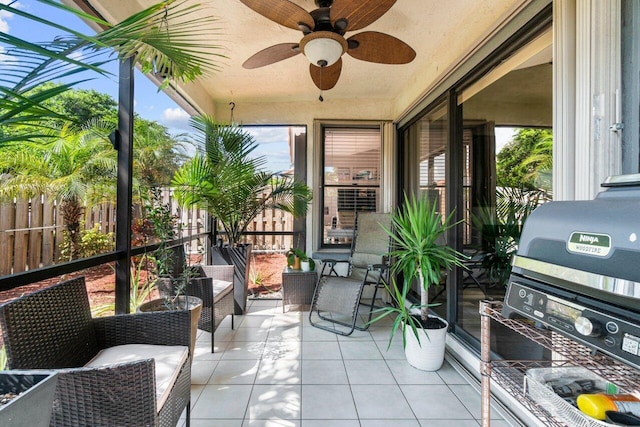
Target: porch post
pixel 300 174
pixel 124 144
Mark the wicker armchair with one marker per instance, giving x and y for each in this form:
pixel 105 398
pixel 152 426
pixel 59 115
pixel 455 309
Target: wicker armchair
pixel 213 284
pixel 220 304
pixel 53 329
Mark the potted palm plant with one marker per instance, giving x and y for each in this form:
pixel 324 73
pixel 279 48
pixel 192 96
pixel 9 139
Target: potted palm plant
pixel 232 185
pixel 419 253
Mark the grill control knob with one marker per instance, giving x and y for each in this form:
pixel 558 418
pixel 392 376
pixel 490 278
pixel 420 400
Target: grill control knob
pixel 588 327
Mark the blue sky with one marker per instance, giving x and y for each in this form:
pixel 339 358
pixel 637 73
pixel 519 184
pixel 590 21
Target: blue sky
pixel 149 103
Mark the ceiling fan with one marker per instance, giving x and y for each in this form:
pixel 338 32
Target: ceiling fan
pixel 323 42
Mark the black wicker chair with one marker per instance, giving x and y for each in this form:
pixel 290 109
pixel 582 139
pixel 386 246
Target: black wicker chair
pixel 213 284
pixel 221 301
pixel 53 329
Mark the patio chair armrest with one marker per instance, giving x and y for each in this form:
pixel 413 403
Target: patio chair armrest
pixel 107 396
pixel 379 267
pixel 160 327
pixel 333 261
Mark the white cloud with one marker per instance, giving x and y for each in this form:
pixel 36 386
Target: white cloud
pixel 6 16
pixel 175 118
pixel 504 135
pixel 269 134
pixel 76 56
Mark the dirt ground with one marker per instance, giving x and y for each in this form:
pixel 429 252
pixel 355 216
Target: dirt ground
pixel 265 278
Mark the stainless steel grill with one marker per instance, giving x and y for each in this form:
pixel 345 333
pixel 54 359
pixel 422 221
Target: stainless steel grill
pixel 577 270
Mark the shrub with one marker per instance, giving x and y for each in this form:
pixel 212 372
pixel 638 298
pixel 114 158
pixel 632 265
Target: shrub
pixel 92 242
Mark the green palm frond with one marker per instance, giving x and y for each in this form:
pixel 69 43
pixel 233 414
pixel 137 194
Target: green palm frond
pixel 67 166
pixel 501 228
pixel 230 183
pixel 172 38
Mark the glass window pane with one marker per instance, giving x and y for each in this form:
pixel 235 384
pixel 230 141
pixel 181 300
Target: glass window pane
pixel 433 139
pixel 272 231
pixel 506 162
pixel 351 179
pixel 425 155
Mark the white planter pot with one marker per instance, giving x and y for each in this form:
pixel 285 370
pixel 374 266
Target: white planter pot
pixel 428 354
pixel 305 265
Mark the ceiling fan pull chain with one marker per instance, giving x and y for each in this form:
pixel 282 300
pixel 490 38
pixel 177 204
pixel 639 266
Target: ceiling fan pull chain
pixel 320 98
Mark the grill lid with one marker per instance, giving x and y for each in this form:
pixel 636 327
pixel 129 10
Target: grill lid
pixel 587 245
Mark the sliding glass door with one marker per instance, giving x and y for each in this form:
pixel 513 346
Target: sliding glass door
pixel 484 153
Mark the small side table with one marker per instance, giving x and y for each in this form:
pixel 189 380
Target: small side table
pixel 298 286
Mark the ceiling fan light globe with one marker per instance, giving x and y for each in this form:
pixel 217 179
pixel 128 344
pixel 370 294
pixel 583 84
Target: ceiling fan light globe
pixel 326 51
pixel 323 47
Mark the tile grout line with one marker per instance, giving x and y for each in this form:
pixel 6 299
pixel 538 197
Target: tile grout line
pixel 386 362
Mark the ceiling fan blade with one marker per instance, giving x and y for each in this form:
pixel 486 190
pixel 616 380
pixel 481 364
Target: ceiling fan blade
pixel 359 13
pixel 382 48
pixel 327 77
pixel 271 55
pixel 283 12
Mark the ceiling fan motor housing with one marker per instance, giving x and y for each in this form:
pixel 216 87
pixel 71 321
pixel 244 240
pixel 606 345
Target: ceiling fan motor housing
pixel 324 3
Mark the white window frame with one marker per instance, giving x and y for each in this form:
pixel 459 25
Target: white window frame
pixel 387 178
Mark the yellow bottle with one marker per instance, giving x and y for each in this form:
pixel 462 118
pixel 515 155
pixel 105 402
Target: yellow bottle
pixel 595 405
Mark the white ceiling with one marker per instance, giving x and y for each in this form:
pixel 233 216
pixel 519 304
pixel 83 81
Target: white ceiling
pixel 441 32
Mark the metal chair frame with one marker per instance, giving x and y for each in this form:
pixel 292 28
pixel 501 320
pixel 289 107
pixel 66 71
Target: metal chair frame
pixel 381 278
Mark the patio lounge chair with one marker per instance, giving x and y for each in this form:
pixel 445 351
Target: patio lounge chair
pixel 130 369
pixel 336 299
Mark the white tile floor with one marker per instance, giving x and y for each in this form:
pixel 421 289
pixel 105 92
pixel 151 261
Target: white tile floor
pixel 275 369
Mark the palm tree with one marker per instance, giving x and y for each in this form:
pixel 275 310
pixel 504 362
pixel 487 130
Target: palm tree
pixel 501 227
pixel 231 184
pixel 166 38
pixel 74 167
pixel 233 187
pixel 541 160
pixel 157 155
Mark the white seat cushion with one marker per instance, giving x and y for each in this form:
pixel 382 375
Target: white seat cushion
pixel 220 289
pixel 168 361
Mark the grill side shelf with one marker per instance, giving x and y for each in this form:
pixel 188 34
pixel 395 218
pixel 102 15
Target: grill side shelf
pixel 510 373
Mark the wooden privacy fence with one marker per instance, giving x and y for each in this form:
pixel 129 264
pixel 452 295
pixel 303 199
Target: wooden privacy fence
pixel 271 220
pixel 31 229
pixel 268 221
pixel 31 232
